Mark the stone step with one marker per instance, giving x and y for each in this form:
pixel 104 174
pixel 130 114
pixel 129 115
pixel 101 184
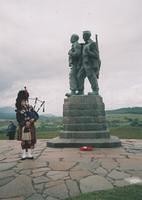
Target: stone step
pixel 84 119
pixel 76 143
pixel 84 99
pixel 84 134
pixel 85 127
pixel 83 113
pixel 83 106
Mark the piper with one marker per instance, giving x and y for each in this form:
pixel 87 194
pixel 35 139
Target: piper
pixel 26 117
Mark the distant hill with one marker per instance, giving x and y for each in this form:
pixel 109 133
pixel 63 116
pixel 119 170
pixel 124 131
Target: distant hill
pixel 7 109
pixel 7 113
pixel 44 117
pixel 129 110
pixel 48 115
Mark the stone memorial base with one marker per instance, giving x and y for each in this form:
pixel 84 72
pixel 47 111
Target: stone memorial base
pixel 78 142
pixel 84 124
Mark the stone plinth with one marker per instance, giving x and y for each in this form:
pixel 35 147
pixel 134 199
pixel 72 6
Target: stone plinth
pixel 84 123
pixel 84 117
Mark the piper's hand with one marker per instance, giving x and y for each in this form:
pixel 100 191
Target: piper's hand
pixel 32 120
pixel 28 123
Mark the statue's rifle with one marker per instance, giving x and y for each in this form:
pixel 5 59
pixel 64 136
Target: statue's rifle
pixel 97 45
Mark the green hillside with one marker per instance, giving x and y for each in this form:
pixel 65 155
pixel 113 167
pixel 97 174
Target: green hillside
pixel 129 110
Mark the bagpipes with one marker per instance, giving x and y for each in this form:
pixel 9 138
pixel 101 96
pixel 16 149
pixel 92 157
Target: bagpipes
pixel 42 104
pixel 36 100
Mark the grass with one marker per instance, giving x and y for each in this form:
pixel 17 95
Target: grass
pixel 123 117
pixel 124 132
pixel 47 134
pixel 40 135
pixel 3 136
pixel 133 192
pixel 127 132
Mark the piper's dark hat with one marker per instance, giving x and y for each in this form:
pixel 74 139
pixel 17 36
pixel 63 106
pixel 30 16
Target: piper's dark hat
pixel 23 94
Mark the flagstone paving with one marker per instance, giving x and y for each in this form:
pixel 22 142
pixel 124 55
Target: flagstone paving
pixel 61 173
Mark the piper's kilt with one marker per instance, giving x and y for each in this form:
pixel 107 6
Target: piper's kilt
pixel 30 143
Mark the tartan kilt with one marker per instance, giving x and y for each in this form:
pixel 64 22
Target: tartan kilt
pixel 33 134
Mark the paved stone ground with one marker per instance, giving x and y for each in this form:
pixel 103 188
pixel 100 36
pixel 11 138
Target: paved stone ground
pixel 61 173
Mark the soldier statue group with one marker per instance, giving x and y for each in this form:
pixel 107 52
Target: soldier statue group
pixel 84 61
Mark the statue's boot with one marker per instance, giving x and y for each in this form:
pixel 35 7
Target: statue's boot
pixel 23 154
pixel 70 94
pixel 80 92
pixel 29 154
pixel 93 93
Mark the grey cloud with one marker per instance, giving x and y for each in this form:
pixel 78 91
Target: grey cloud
pixel 34 41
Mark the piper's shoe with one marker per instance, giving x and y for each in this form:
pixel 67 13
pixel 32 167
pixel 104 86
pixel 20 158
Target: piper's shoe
pixel 23 154
pixel 29 154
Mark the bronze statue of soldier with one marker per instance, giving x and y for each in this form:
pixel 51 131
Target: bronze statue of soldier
pixel 74 64
pixel 90 65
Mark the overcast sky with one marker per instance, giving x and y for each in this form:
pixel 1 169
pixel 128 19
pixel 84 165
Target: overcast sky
pixel 34 44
